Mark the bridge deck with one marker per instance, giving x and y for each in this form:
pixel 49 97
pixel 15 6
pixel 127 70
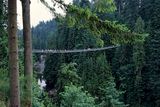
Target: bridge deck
pixel 47 51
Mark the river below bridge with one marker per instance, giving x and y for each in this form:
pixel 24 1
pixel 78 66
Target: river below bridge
pixel 39 67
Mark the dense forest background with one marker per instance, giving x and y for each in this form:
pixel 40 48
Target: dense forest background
pixel 128 75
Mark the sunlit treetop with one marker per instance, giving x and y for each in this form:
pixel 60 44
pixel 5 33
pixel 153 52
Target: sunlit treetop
pixel 88 18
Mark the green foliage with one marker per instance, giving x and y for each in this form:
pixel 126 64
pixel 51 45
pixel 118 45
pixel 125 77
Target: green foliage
pixel 85 18
pixel 128 11
pixel 73 96
pixel 135 67
pixel 111 95
pixel 118 32
pixel 68 38
pixel 53 63
pixel 40 98
pixel 41 34
pixel 4 49
pixel 37 95
pixel 92 68
pixel 94 71
pixel 123 71
pixel 138 48
pixel 2 104
pixel 141 73
pixel 3 34
pixel 152 68
pixel 104 6
pixel 139 25
pixel 67 75
pixel 4 85
pixel 139 62
pixel 152 60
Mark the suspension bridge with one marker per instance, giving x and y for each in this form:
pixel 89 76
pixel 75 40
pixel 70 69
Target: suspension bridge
pixel 40 65
pixel 50 51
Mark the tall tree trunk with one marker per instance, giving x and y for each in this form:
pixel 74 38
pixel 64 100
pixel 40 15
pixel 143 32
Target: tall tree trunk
pixel 13 54
pixel 27 52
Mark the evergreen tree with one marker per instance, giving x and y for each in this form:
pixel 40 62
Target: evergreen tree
pixel 73 96
pixel 27 53
pixel 152 58
pixel 128 11
pixel 135 67
pixel 92 68
pixel 127 67
pixel 111 96
pixel 13 54
pixel 4 78
pixel 146 12
pixel 151 75
pixel 139 61
pixel 3 33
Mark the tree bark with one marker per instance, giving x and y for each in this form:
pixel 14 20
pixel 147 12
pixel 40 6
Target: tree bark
pixel 13 54
pixel 27 52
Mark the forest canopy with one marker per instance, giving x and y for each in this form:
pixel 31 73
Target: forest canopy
pixel 127 75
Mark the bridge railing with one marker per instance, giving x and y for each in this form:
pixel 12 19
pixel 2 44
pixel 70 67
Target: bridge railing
pixel 71 51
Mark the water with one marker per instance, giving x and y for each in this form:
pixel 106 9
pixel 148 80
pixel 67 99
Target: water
pixel 42 84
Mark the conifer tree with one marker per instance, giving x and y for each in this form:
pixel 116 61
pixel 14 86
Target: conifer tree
pixel 13 54
pixel 3 33
pixel 138 61
pixel 152 47
pixel 27 53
